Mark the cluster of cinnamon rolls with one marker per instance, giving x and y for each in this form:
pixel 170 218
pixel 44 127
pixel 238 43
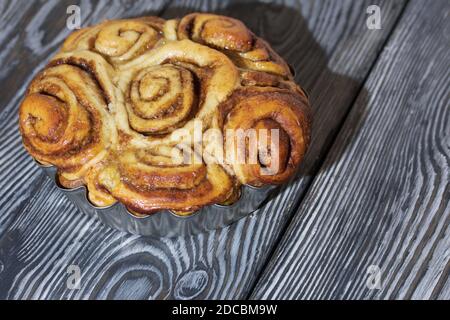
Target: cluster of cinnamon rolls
pixel 125 106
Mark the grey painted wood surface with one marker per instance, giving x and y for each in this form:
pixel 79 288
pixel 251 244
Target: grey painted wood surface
pixel 382 195
pixel 41 233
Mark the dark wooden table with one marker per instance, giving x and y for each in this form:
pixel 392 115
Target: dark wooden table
pixel 372 200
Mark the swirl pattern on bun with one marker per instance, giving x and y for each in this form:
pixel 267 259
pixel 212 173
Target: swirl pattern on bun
pixel 267 111
pixel 64 123
pixel 117 40
pixel 117 110
pixel 233 38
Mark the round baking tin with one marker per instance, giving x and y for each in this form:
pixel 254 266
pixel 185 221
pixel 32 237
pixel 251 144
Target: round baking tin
pixel 166 223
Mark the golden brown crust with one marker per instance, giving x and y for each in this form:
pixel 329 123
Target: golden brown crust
pixel 267 108
pixel 233 38
pixel 112 111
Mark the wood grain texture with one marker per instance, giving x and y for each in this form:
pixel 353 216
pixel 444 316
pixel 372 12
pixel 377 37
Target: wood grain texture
pixel 44 233
pixel 383 195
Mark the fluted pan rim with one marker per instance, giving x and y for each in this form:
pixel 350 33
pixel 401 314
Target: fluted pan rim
pixel 148 216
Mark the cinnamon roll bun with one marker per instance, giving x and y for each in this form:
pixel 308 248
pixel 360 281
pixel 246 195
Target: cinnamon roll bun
pixel 166 114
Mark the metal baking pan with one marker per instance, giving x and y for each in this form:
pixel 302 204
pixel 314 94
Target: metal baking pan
pixel 166 223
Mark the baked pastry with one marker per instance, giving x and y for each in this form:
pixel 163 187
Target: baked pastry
pixel 126 105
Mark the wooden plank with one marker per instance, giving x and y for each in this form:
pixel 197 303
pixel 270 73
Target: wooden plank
pixel 382 196
pixel 332 51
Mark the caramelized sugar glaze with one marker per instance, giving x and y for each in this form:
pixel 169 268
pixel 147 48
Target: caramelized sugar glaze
pixel 107 109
